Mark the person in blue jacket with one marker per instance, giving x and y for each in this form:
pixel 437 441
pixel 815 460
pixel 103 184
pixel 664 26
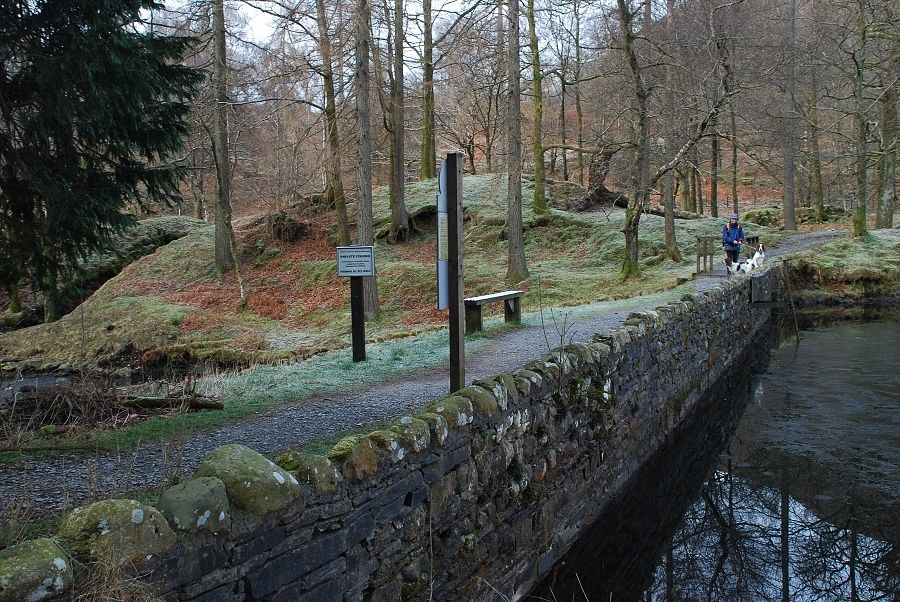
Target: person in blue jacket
pixel 732 238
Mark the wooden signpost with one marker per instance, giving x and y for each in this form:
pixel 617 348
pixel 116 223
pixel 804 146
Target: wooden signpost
pixel 357 262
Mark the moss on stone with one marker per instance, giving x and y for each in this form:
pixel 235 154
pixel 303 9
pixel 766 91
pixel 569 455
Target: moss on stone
pixel 456 410
pixel 116 531
pixel 34 570
pixel 363 459
pixel 483 399
pixel 199 504
pixel 253 482
pixel 343 448
pixel 438 426
pixel 390 442
pixel 414 433
pixel 318 470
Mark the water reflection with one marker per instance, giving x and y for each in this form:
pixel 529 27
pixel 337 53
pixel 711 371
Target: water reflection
pixel 803 504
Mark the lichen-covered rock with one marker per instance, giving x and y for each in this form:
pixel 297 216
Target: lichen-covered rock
pixel 456 410
pixel 199 504
pixel 483 399
pixel 253 482
pixel 33 570
pixel 117 531
pixel 438 426
pixel 390 442
pixel 413 432
pixel 318 470
pixel 343 448
pixel 359 457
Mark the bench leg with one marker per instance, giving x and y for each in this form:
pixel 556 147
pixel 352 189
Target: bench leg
pixel 512 310
pixel 473 318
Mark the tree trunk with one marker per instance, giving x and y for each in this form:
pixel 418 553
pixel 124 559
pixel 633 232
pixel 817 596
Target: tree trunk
pixel 539 204
pixel 640 172
pixel 734 160
pixel 364 220
pixel 516 270
pixel 578 110
pixel 562 127
pixel 399 230
pixel 335 183
pixel 714 174
pixel 790 120
pixel 669 182
pixel 227 255
pixel 15 300
pixel 859 120
pixel 427 161
pixel 815 158
pixel 698 179
pixel 50 290
pixel 224 259
pixel 887 197
pixel 196 183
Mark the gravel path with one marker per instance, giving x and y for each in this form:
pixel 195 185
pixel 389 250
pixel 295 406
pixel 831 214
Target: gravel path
pixel 66 480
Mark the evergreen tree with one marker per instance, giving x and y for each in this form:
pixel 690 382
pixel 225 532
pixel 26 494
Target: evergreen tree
pixel 93 108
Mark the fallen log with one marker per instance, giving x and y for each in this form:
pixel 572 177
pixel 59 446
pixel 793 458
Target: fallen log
pixel 194 403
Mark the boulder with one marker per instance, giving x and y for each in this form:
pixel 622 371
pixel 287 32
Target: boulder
pixel 118 531
pixel 195 505
pixel 33 570
pixel 253 482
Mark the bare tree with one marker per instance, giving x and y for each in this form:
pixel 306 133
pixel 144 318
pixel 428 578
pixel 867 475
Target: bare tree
pixel 364 220
pixel 539 205
pixel 226 247
pixel 334 191
pixel 516 270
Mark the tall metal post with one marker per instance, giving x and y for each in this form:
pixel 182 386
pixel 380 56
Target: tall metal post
pixel 357 319
pixel 454 165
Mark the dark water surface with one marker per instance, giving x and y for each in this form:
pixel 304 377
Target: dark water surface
pixel 787 479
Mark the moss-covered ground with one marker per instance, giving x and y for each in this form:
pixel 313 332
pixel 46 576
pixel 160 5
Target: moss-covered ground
pixel 851 268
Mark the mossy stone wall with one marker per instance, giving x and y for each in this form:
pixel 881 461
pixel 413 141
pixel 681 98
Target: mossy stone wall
pixel 480 493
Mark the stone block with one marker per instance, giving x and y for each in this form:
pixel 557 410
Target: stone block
pixel 482 398
pixel 34 570
pixel 253 482
pixel 116 531
pixel 319 471
pixel 414 433
pixel 195 505
pixel 358 457
pixel 437 424
pixel 445 463
pixel 455 409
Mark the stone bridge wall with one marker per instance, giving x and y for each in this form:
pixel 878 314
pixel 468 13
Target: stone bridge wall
pixel 475 497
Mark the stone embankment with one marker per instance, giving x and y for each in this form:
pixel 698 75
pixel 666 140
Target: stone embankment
pixel 474 497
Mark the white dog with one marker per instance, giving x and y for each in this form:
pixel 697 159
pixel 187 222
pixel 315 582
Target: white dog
pixel 758 257
pixel 753 263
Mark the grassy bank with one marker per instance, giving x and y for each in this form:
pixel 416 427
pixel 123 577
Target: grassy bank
pixel 851 269
pixel 172 310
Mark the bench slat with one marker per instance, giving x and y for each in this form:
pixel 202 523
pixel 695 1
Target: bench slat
pixel 493 297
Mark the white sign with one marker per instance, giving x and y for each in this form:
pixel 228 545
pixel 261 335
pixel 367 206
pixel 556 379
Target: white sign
pixel 355 261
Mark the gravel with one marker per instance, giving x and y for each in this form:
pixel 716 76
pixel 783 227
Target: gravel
pixel 63 481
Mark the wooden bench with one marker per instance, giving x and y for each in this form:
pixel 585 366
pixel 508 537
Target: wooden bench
pixel 512 308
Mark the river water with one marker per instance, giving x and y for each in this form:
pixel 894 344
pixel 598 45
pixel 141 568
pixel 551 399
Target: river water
pixel 785 486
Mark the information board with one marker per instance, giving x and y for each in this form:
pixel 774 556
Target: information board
pixel 358 260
